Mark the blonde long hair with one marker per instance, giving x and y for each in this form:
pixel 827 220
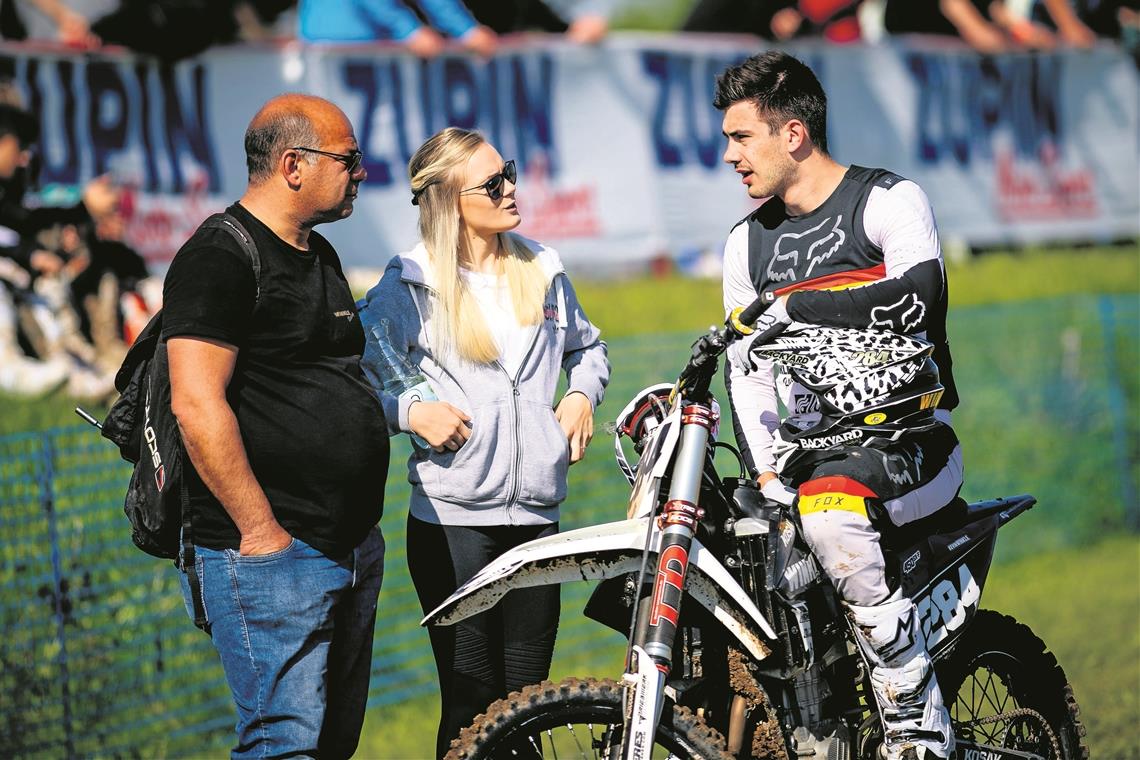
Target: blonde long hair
pixel 436 172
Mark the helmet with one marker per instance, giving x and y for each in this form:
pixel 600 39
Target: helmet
pixel 641 416
pixel 645 411
pixel 872 385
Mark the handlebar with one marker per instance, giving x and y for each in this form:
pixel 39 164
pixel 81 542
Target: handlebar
pixel 697 375
pixel 753 310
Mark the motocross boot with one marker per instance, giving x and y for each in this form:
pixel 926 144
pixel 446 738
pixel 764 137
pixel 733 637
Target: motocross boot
pixel 915 722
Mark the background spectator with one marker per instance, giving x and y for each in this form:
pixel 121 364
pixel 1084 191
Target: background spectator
pixel 369 20
pixel 168 29
pixel 66 21
pixel 40 247
pixel 1078 21
pixel 582 21
pixel 988 26
pixel 834 20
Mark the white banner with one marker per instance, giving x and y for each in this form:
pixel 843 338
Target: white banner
pixel 619 146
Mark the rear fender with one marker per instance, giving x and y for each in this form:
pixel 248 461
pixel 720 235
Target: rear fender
pixel 605 551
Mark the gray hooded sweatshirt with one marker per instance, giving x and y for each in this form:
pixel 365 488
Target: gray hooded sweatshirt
pixel 512 470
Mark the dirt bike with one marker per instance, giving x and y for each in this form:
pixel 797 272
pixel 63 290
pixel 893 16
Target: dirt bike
pixel 737 643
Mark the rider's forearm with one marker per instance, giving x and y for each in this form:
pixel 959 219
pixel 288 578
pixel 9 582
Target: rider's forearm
pixel 900 304
pixel 755 413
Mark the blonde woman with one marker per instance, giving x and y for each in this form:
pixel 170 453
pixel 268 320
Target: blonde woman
pixel 489 318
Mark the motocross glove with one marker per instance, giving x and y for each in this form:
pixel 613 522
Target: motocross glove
pixel 778 492
pixel 772 322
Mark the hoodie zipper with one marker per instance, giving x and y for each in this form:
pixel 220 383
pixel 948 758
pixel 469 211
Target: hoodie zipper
pixel 513 491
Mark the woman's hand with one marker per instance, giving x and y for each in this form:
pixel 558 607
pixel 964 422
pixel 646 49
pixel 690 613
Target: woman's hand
pixel 576 416
pixel 439 423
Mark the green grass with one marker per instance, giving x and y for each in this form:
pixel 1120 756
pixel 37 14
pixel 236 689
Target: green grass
pixel 1083 603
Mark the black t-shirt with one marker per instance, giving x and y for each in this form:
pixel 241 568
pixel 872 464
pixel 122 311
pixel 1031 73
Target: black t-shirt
pixel 312 427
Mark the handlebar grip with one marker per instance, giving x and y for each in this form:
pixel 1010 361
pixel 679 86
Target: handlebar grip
pixel 753 311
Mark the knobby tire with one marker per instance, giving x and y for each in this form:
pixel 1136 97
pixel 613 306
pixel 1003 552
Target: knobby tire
pixel 593 705
pixel 1000 665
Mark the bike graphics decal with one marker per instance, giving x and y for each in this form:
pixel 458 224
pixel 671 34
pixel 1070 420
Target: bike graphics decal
pixel 911 562
pixel 667 588
pixel 950 602
pixel 648 682
pixel 969 752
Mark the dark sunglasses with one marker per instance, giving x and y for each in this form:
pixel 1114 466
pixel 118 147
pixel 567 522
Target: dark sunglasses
pixel 351 160
pixel 494 184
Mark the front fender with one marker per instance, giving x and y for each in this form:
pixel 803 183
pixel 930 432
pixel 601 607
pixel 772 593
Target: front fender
pixel 604 551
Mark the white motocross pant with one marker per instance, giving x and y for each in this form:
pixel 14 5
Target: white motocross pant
pixel 833 507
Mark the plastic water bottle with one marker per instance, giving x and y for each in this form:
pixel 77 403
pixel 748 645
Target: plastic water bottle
pixel 400 377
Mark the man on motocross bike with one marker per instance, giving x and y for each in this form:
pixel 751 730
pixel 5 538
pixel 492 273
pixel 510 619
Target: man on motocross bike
pixel 845 247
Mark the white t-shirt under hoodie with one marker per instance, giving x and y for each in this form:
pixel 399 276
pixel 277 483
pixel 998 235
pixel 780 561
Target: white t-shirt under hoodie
pixel 493 295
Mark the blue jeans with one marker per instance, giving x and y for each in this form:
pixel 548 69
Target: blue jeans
pixel 294 633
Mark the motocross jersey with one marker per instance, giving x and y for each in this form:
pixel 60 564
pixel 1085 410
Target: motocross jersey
pixel 867 257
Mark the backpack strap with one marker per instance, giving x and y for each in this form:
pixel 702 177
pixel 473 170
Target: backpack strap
pixel 187 562
pixel 228 222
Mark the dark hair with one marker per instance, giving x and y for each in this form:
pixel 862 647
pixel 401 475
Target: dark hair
pixel 267 138
pixel 16 121
pixel 782 88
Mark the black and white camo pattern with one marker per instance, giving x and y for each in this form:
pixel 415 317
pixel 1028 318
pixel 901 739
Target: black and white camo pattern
pixel 850 368
pixel 873 386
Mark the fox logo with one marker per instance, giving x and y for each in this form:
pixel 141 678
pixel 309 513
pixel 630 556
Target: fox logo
pixel 904 316
pixel 814 245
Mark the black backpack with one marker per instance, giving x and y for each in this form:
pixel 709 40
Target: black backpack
pixel 143 426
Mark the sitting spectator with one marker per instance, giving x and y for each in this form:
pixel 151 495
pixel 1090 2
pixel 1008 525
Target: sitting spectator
pixel 35 311
pixel 988 26
pixel 1081 21
pixel 20 373
pixel 167 29
pixel 585 22
pixel 66 21
pixel 109 291
pixel 372 20
pixel 834 20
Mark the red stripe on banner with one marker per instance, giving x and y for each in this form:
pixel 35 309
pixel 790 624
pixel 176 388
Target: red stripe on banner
pixel 838 280
pixel 835 484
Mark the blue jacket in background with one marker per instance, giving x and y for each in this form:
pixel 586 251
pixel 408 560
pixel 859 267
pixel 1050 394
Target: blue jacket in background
pixel 370 20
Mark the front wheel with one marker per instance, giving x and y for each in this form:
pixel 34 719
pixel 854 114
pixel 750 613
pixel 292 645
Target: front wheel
pixel 576 718
pixel 1001 668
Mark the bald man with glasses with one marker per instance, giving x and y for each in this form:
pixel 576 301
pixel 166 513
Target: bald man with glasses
pixel 287 445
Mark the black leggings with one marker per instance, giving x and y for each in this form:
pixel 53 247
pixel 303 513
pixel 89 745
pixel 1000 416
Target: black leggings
pixel 484 657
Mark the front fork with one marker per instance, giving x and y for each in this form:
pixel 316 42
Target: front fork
pixel 652 653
